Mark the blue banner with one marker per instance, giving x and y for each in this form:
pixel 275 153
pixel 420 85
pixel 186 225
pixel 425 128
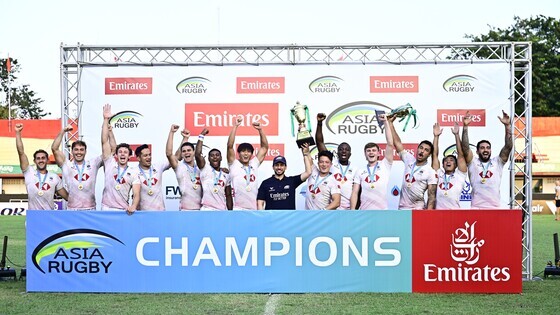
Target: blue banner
pixel 222 251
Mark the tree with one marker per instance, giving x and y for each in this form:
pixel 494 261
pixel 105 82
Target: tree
pixel 544 34
pixel 24 103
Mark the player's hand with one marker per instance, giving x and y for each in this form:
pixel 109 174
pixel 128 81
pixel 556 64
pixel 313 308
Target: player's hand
pixel 467 119
pixel 107 111
pixel 505 118
pixel 321 117
pixel 382 117
pixel 68 128
pixel 238 121
pixel 257 125
pixel 18 127
pixel 455 129
pixel 204 131
pixel 174 128
pixel 437 130
pixel 185 133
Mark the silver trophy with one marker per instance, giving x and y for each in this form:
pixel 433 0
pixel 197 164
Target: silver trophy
pixel 404 112
pixel 301 114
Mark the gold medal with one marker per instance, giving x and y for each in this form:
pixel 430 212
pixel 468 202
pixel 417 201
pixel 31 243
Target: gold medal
pixel 248 188
pixel 40 193
pixel 80 186
pixel 372 186
pixel 313 196
pixel 195 186
pixel 215 190
pixel 150 192
pixel 117 187
pixel 483 180
pixel 408 185
pixel 342 182
pixel 445 193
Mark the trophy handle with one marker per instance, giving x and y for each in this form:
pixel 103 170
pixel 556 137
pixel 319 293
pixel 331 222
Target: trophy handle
pixel 292 122
pixel 308 118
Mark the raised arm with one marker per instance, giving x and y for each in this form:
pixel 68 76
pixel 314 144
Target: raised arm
pixel 465 139
pixel 390 149
pixel 263 150
pixel 112 140
pixel 23 160
pixel 319 133
pixel 198 150
pixel 105 141
pixel 169 147
pixel 231 140
pixel 508 141
pixel 461 163
pixel 307 161
pixel 396 139
pixel 435 158
pixel 55 147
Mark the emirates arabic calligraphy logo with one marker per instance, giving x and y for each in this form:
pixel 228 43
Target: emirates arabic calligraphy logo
pixel 465 246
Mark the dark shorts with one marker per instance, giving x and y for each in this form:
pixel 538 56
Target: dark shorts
pixel 557 203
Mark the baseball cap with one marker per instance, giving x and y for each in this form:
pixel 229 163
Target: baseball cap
pixel 279 159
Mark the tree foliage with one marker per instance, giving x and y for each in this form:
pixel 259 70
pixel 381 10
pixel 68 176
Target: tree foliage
pixel 24 102
pixel 544 34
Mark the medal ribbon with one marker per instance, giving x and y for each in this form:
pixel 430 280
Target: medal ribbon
pixel 370 175
pixel 248 174
pixel 149 180
pixel 446 181
pixel 319 182
pixel 414 170
pixel 192 171
pixel 216 179
pixel 42 181
pixel 119 174
pixel 343 173
pixel 80 171
pixel 485 168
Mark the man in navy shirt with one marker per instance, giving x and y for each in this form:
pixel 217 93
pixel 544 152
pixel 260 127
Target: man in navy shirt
pixel 279 191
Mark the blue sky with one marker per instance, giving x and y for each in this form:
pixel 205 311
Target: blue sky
pixel 32 30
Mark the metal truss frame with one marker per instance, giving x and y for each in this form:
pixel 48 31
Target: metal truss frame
pixel 518 54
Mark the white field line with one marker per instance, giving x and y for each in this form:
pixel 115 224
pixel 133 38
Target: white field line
pixel 270 307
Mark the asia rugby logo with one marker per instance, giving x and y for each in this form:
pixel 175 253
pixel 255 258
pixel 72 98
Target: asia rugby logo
pixel 461 83
pixel 193 85
pixel 125 120
pixel 75 251
pixel 356 118
pixel 326 84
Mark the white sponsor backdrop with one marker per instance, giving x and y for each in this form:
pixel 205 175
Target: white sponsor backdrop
pixel 489 86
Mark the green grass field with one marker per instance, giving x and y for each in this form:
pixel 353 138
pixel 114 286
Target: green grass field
pixel 538 297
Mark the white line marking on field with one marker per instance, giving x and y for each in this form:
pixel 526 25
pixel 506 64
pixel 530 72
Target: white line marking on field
pixel 270 307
